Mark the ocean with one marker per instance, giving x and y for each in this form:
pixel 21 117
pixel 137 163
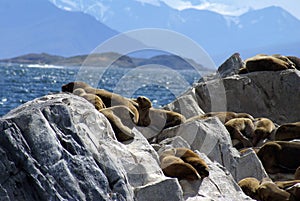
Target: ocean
pixel 21 83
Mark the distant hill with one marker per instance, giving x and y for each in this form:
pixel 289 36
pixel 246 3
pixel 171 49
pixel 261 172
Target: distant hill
pixel 39 26
pixel 104 59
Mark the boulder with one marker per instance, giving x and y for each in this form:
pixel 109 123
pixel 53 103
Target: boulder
pixel 231 66
pixel 58 147
pixel 270 94
pixel 209 136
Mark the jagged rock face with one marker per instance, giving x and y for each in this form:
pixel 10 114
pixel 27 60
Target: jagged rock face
pixel 274 95
pixel 59 147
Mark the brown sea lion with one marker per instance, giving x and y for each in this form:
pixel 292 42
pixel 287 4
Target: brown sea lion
pixel 249 186
pixel 241 129
pixel 295 60
pixel 158 118
pixel 264 190
pixel 280 156
pixel 190 157
pixel 266 63
pixel 223 116
pixel 92 98
pixel 289 131
pixel 109 99
pixel 263 129
pixel 269 191
pixel 120 121
pixel 173 166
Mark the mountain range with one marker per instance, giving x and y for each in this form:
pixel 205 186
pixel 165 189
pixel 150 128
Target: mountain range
pixel 35 26
pixel 40 26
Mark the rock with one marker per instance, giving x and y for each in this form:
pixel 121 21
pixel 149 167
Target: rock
pixel 58 147
pixel 231 66
pixel 185 105
pixel 270 94
pixel 209 136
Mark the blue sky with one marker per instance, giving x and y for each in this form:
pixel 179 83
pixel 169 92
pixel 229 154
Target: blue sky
pixel 232 7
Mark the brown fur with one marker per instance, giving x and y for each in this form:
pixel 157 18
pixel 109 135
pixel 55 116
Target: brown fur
pixel 108 98
pixel 280 156
pixel 295 60
pixel 158 118
pixel 266 63
pixel 223 116
pixel 241 129
pixel 92 98
pixel 269 191
pixel 263 129
pixel 189 157
pixel 120 118
pixel 249 186
pixel 289 131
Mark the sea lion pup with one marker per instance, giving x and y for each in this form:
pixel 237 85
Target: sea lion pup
pixel 266 63
pixel 109 99
pixel 289 131
pixel 280 156
pixel 92 98
pixel 263 129
pixel 190 157
pixel 120 121
pixel 223 116
pixel 159 118
pixel 241 129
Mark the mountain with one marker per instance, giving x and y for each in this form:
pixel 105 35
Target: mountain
pixel 39 26
pixel 272 29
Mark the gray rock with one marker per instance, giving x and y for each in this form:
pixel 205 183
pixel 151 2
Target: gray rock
pixel 210 137
pixel 270 94
pixel 59 147
pixel 185 105
pixel 231 66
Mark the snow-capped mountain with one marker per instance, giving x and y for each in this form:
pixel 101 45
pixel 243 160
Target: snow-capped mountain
pixel 37 26
pixel 269 30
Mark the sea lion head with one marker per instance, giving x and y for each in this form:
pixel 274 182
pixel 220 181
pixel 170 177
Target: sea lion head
pixel 144 102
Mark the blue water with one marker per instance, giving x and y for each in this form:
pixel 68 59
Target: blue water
pixel 21 83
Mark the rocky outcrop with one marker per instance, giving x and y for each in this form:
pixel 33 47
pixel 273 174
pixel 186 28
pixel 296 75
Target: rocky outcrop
pixel 271 94
pixel 58 147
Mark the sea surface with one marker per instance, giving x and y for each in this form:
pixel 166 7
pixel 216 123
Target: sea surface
pixel 22 83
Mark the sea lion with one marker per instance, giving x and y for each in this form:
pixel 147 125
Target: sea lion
pixel 288 131
pixel 280 156
pixel 190 157
pixel 109 99
pixel 269 191
pixel 295 60
pixel 249 186
pixel 266 63
pixel 92 98
pixel 120 121
pixel 223 116
pixel 264 190
pixel 158 118
pixel 173 166
pixel 241 129
pixel 263 129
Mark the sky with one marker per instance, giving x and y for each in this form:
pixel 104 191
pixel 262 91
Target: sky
pixel 232 7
